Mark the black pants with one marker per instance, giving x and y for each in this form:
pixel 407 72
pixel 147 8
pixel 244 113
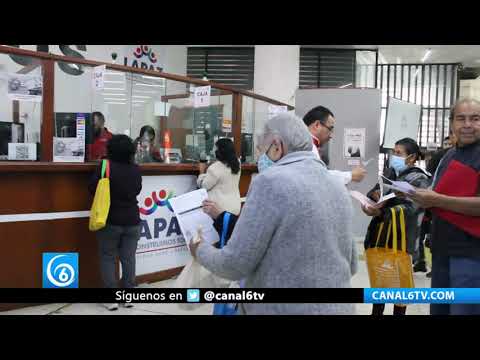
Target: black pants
pixel 378 309
pixel 113 241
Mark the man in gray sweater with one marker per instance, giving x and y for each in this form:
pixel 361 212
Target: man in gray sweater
pixel 295 230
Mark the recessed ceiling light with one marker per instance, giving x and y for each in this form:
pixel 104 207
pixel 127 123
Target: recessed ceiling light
pixel 427 55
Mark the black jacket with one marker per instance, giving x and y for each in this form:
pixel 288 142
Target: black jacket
pixel 125 185
pixel 416 177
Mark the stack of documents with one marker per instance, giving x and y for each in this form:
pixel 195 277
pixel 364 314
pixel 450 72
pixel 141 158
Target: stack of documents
pixel 191 217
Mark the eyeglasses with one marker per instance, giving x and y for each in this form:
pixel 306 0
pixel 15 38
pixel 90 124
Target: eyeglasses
pixel 330 128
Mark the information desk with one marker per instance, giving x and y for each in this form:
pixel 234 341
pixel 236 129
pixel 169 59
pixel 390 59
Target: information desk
pixel 44 208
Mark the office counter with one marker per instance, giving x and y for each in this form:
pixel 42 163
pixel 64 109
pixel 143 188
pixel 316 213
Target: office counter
pixel 44 208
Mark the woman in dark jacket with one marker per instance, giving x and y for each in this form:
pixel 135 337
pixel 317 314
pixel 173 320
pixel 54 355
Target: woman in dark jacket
pixel 402 168
pixel 122 232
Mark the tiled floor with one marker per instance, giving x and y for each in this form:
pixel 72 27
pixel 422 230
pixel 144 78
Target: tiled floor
pixel 360 280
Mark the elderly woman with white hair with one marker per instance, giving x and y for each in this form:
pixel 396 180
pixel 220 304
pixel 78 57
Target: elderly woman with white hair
pixel 295 229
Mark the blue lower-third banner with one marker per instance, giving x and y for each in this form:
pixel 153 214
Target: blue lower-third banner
pixel 422 296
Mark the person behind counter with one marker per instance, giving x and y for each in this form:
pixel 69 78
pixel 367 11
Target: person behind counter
pixel 146 151
pixel 222 178
pixel 122 232
pixel 98 150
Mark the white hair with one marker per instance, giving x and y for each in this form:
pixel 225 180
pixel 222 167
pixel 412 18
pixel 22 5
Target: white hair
pixel 291 130
pixel 465 100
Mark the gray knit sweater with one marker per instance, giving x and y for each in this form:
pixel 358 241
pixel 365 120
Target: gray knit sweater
pixel 293 232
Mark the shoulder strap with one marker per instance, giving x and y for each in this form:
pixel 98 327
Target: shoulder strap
pixel 226 220
pixel 105 169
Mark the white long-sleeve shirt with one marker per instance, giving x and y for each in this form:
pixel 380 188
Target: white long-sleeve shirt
pixel 344 176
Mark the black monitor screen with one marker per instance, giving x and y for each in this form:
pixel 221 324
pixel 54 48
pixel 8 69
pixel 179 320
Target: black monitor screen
pixel 10 132
pixel 66 125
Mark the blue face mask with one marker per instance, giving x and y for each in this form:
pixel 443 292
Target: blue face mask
pixel 264 162
pixel 398 163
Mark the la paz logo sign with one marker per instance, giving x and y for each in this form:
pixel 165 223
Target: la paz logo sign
pixel 143 57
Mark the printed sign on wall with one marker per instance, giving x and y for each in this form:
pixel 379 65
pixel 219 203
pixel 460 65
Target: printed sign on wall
pixel 354 143
pixel 161 245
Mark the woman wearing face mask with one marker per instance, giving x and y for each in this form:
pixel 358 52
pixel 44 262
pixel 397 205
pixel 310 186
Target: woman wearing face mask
pixel 402 168
pixel 222 178
pixel 295 229
pixel 146 150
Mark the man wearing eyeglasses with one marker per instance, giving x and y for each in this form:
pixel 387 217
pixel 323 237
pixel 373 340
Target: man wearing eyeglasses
pixel 455 206
pixel 321 122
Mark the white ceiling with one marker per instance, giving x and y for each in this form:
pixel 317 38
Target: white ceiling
pixel 468 55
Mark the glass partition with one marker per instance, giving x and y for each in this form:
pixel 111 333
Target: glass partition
pixel 21 102
pixel 254 115
pixel 159 115
pixel 74 102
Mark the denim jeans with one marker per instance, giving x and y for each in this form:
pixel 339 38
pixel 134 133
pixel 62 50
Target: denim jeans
pixel 455 272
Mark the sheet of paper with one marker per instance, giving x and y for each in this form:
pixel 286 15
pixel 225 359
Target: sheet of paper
pixel 25 87
pixel 365 163
pixel 368 202
pixel 362 198
pixel 188 201
pixel 68 149
pixel 400 186
pixel 191 217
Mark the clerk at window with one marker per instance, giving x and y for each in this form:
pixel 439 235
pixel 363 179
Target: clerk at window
pixel 101 135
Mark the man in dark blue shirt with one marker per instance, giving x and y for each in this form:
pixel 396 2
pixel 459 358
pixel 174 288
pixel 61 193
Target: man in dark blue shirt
pixel 455 206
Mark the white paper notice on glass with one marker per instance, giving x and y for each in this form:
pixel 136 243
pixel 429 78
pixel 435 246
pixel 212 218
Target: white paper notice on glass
pixel 22 151
pixel 274 110
pixel 191 217
pixel 201 96
pixel 98 80
pixel 354 143
pixel 68 149
pixel 24 87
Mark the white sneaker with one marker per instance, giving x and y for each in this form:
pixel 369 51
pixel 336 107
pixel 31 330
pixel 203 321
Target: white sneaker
pixel 127 305
pixel 111 307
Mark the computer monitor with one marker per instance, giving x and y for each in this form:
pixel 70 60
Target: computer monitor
pixel 10 133
pixel 66 125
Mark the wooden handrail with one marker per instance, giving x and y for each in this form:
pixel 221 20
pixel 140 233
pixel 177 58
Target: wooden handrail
pixel 68 59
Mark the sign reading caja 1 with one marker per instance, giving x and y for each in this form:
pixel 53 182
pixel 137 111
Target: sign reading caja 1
pixel 161 245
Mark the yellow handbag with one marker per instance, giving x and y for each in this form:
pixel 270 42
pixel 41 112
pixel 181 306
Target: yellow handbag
pixel 101 201
pixel 390 268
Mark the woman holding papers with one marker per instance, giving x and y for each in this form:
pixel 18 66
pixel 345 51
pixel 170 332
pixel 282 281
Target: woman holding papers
pixel 295 229
pixel 402 168
pixel 222 178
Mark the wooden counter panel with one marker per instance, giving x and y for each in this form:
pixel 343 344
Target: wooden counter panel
pixel 49 167
pixel 23 244
pixel 26 193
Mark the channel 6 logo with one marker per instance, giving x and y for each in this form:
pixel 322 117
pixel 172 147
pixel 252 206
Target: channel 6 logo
pixel 60 270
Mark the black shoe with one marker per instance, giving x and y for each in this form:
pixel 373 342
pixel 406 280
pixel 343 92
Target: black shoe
pixel 429 274
pixel 420 267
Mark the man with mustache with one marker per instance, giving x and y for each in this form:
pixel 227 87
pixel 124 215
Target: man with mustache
pixel 455 205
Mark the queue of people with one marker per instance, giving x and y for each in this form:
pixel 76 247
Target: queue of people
pixel 296 231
